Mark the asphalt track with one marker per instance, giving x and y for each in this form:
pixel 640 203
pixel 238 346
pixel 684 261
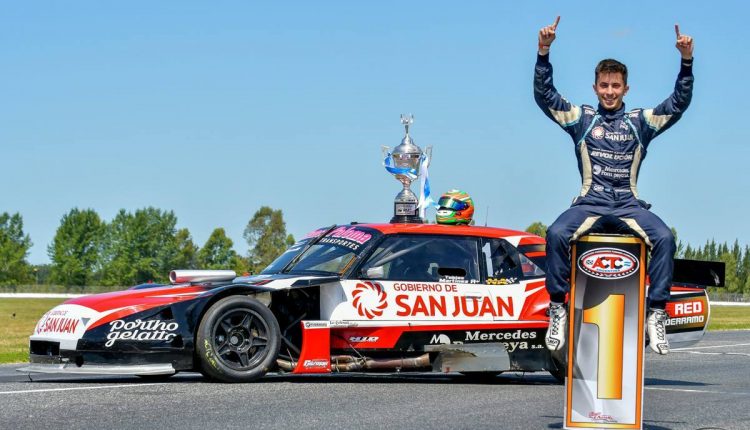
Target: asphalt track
pixel 703 387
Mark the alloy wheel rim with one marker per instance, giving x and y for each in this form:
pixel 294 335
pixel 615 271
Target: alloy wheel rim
pixel 240 338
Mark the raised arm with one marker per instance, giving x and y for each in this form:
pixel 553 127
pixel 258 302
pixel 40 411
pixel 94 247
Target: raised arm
pixel 668 112
pixel 555 106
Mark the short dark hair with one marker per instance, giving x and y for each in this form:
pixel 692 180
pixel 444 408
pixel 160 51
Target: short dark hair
pixel 611 66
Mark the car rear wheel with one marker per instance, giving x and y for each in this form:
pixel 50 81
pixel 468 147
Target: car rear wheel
pixel 238 340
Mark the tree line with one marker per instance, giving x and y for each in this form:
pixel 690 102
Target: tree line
pixel 143 246
pixel 133 248
pixel 735 258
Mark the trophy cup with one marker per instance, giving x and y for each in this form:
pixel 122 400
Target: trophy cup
pixel 406 162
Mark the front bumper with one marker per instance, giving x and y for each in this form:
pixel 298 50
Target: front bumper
pixel 99 369
pixel 47 356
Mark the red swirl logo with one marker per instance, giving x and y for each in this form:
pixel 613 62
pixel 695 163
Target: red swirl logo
pixel 369 299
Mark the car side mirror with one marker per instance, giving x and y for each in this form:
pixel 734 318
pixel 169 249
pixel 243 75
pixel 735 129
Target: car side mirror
pixel 376 272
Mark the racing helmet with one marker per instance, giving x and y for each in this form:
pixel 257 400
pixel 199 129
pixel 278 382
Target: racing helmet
pixel 455 207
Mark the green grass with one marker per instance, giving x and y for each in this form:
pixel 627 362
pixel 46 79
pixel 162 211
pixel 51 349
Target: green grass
pixel 16 329
pixel 18 318
pixel 729 318
pixel 46 288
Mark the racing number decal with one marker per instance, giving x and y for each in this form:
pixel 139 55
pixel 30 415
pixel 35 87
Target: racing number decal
pixel 609 318
pixel 605 354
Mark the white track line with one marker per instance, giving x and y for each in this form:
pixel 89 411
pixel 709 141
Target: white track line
pixel 710 347
pixel 713 353
pixel 685 390
pixel 48 390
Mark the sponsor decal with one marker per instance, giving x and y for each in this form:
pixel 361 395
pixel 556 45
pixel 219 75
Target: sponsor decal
pixel 424 288
pixel 608 263
pixel 686 313
pixel 441 339
pixel 512 340
pixel 698 319
pixel 349 237
pixel 316 324
pixel 315 364
pixel 363 339
pixel 139 330
pixel 611 172
pixel 478 335
pixel 618 137
pixel 352 234
pixel 341 323
pixel 597 132
pixel 687 308
pixel 369 299
pixel 501 281
pixel 601 418
pixel 624 126
pixel 457 306
pixel 57 324
pixel 611 155
pixel 598 187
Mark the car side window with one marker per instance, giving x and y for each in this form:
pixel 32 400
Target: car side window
pixel 502 263
pixel 426 258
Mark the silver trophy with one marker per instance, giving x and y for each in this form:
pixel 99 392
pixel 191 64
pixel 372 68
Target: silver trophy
pixel 404 162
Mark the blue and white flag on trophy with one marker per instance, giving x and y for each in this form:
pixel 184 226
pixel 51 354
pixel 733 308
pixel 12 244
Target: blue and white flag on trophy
pixel 425 200
pixel 406 171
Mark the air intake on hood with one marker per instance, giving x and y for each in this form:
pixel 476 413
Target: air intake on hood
pixel 180 276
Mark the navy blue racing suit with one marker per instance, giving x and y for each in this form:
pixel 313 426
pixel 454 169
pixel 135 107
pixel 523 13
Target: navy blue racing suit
pixel 610 147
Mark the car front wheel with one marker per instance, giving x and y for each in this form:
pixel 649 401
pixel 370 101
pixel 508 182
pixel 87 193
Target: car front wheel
pixel 238 340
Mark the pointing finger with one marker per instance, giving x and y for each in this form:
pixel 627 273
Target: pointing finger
pixel 677 30
pixel 557 21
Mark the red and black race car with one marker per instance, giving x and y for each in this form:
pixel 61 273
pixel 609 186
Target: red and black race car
pixel 349 298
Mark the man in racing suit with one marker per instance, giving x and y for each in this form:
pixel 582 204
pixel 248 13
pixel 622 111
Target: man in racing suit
pixel 610 144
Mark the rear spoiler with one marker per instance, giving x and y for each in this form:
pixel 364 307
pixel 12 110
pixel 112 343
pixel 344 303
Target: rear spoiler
pixel 698 274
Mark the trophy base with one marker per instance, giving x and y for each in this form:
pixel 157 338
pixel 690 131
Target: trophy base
pixel 406 213
pixel 406 219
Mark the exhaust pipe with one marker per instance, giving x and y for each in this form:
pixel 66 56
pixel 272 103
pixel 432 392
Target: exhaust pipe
pixel 348 363
pixel 181 276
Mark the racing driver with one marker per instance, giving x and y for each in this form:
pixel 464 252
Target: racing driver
pixel 610 144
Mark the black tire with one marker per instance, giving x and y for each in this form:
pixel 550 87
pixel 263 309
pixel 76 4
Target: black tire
pixel 237 340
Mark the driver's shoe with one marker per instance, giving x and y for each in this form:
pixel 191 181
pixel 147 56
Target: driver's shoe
pixel 656 322
pixel 558 320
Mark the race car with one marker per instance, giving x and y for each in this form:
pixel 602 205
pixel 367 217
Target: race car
pixel 347 298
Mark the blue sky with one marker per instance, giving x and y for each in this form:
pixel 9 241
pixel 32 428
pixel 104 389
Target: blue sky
pixel 213 109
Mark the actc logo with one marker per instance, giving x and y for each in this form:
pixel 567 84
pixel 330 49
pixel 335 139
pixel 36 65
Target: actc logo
pixel 608 263
pixel 369 299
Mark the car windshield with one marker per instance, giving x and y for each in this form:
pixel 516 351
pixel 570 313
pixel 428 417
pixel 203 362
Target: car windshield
pixel 282 260
pixel 334 253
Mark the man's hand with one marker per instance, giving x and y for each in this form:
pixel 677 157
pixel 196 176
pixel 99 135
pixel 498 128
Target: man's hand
pixel 547 36
pixel 684 43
